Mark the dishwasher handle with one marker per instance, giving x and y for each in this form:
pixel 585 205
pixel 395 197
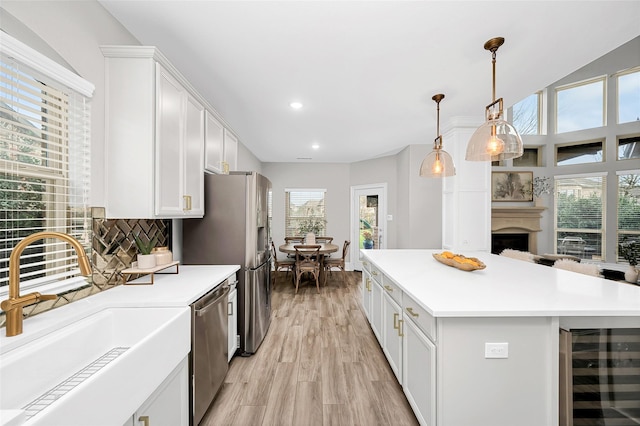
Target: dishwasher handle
pixel 222 294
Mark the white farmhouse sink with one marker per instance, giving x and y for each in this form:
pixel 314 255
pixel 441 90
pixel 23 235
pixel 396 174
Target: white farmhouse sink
pixel 97 371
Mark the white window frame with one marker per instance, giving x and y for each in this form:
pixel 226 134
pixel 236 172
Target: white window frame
pixel 636 233
pixel 287 207
pixel 575 85
pixel 603 197
pixel 60 78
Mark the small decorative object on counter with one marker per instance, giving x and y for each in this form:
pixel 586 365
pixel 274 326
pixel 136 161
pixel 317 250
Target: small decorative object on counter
pixel 145 259
pixel 459 261
pixel 163 255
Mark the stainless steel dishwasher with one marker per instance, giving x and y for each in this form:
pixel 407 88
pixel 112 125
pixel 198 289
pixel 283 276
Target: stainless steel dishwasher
pixel 209 348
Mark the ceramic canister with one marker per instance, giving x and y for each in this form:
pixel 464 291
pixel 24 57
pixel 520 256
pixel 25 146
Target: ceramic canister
pixel 163 255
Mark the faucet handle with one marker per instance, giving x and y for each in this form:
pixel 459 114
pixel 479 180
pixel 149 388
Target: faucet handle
pixel 42 297
pixel 27 299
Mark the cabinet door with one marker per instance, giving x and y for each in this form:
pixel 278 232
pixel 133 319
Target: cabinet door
pixel 233 323
pixel 366 294
pixel 193 202
pixel 169 183
pixel 169 404
pixel 419 373
pixel 214 144
pixel 376 309
pixel 230 150
pixel 392 334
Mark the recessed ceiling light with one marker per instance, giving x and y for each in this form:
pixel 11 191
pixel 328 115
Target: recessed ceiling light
pixel 315 146
pixel 296 105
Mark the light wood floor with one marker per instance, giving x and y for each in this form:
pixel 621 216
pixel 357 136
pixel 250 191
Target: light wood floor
pixel 320 364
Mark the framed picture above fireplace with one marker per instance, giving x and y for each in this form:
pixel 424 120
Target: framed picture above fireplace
pixel 511 186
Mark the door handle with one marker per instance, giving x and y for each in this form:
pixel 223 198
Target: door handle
pixel 187 202
pixel 145 420
pixel 400 331
pixel 395 321
pixel 230 308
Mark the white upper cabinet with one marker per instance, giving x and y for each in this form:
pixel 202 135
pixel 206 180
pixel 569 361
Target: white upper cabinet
pixel 214 144
pixel 155 137
pixel 221 147
pixel 230 150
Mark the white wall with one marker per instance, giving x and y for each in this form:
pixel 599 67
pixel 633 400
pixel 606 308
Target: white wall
pixel 334 177
pixel 75 30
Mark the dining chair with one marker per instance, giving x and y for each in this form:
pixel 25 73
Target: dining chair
pixel 324 239
pixel 293 240
pixel 308 260
pixel 335 262
pixel 281 264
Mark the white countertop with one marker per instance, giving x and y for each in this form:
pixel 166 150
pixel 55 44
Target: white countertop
pixel 507 287
pixel 169 290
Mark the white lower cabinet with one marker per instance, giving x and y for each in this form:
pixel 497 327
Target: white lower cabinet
pixel 366 294
pixel 233 322
pixel 419 373
pixel 392 335
pixel 169 404
pixel 376 309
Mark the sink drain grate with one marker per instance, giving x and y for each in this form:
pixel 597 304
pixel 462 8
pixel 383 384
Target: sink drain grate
pixel 58 391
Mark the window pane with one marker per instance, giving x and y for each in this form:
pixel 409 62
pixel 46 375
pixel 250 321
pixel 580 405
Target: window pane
pixel 304 211
pixel 628 209
pixel 590 152
pixel 580 107
pixel 530 158
pixel 579 206
pixel 629 148
pixel 526 115
pixel 629 97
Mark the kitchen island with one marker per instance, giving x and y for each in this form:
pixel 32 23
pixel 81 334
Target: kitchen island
pixel 483 347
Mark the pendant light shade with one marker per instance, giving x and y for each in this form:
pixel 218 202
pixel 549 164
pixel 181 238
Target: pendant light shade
pixel 496 139
pixel 438 163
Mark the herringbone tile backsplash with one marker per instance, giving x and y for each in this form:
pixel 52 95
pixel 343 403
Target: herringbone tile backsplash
pixel 113 249
pixel 114 246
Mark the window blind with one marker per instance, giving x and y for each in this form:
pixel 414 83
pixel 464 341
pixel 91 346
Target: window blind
pixel 304 212
pixel 44 172
pixel 579 204
pixel 628 208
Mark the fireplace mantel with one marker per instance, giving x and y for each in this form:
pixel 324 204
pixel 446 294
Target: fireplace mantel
pixel 513 220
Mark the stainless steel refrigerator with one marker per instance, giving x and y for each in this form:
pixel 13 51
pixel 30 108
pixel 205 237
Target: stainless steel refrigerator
pixel 235 231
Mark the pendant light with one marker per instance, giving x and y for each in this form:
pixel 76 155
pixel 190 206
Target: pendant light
pixel 438 163
pixel 496 139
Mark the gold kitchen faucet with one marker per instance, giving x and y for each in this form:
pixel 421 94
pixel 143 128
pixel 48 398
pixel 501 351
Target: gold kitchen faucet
pixel 14 304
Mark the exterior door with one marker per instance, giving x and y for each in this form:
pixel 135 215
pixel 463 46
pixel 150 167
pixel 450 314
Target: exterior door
pixel 368 220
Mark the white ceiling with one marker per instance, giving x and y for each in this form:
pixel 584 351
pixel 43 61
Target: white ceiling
pixel 366 70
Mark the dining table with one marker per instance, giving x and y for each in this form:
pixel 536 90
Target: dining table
pixel 325 249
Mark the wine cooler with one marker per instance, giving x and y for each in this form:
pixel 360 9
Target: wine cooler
pixel 600 377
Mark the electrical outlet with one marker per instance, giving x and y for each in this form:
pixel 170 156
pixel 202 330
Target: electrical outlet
pixel 496 350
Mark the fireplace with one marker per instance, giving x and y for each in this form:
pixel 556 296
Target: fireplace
pixel 499 242
pixel 515 228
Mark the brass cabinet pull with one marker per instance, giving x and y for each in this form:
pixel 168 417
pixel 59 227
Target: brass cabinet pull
pixel 230 308
pixel 368 285
pixel 388 288
pixel 187 202
pixel 413 314
pixel 400 332
pixel 374 273
pixel 395 321
pixel 145 420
